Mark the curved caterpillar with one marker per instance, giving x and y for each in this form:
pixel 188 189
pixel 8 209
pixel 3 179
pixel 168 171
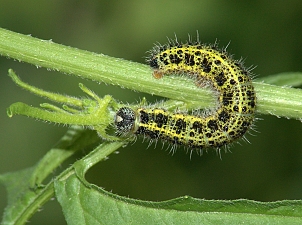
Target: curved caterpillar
pixel 209 67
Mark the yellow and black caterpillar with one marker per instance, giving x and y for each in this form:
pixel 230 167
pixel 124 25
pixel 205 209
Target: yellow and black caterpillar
pixel 208 66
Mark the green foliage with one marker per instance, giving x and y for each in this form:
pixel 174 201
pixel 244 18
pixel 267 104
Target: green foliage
pixel 26 193
pixel 84 203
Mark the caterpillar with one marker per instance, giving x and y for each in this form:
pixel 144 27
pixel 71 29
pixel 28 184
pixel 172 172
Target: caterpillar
pixel 208 66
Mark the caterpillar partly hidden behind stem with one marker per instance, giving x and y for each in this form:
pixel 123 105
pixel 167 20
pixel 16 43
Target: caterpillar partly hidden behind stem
pixel 208 66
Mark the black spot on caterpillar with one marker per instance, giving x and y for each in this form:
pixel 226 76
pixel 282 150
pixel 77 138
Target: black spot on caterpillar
pixel 208 66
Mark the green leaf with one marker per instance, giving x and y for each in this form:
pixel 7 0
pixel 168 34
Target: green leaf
pixel 84 203
pixel 290 79
pixel 26 193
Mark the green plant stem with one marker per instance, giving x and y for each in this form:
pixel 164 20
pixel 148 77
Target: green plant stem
pixel 81 166
pixel 279 101
pixel 28 201
pixel 98 154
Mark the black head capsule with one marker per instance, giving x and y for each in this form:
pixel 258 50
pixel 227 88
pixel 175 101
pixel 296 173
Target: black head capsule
pixel 124 121
pixel 154 63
